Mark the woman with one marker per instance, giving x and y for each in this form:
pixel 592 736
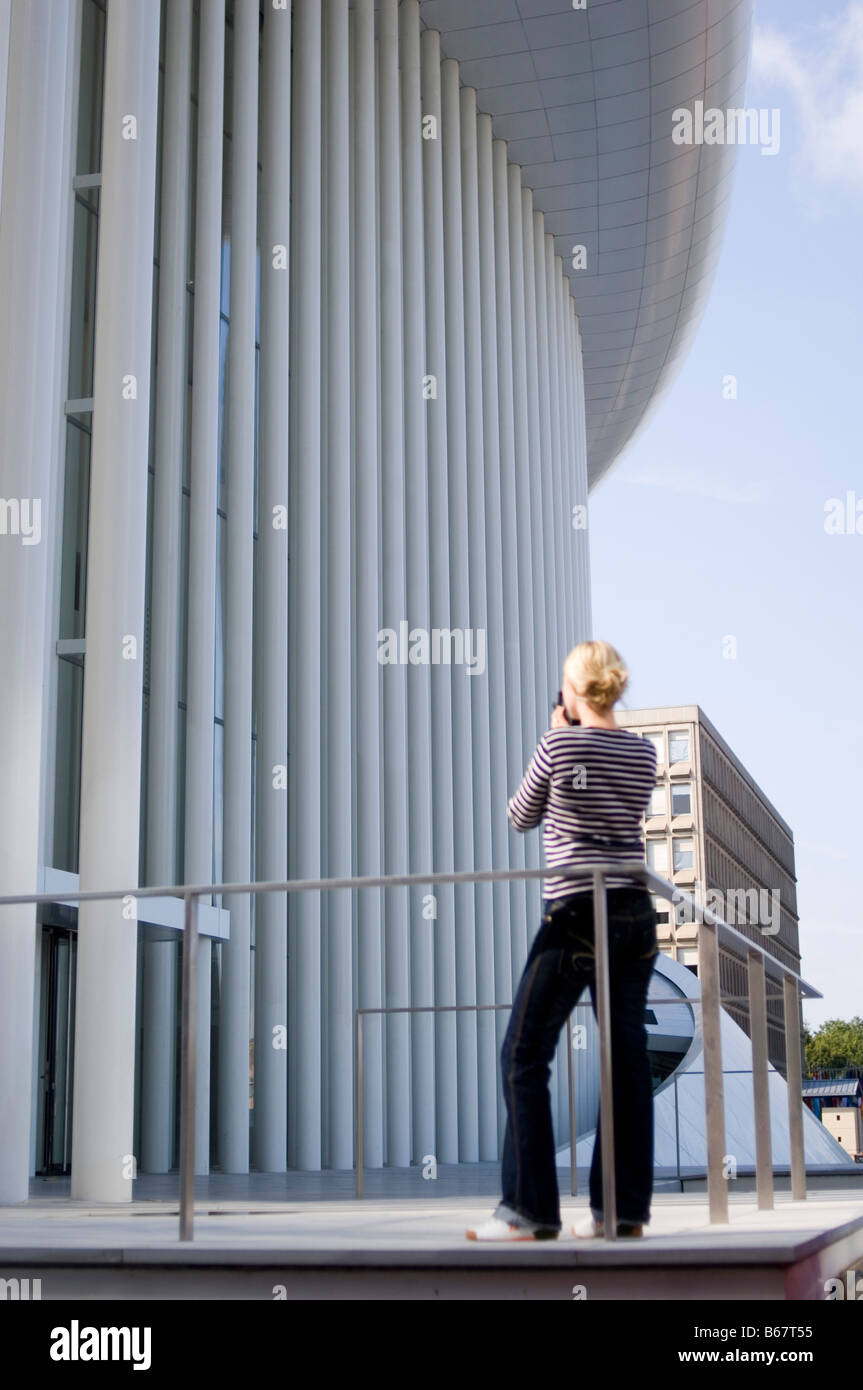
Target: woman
pixel 589 781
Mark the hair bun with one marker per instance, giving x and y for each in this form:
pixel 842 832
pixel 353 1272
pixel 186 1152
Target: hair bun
pixel 597 672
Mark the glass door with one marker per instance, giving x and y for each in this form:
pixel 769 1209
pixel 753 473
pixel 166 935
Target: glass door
pixel 56 1047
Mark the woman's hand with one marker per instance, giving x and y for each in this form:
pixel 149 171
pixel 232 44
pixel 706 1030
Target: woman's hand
pixel 558 718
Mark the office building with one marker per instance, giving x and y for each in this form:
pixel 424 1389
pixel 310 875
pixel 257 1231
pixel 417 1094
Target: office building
pixel 711 831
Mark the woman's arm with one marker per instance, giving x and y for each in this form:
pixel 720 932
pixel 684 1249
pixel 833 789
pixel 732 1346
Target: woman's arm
pixel 527 808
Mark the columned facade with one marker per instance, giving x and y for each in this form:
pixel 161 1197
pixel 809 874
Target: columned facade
pixel 296 369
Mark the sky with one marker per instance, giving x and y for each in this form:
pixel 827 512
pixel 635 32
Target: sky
pixel 712 523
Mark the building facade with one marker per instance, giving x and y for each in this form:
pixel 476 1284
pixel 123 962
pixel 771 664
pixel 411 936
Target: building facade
pixel 711 830
pixel 319 320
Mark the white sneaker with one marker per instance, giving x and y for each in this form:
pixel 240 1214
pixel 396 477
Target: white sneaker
pixel 587 1228
pixel 496 1229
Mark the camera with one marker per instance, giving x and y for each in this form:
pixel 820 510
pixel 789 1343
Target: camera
pixel 559 701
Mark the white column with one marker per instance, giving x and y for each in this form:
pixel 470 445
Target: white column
pixel 446 1098
pixel 366 671
pixel 564 468
pixel 544 487
pixel 420 754
pixel 582 537
pixel 102 1161
pixel 158 1050
pixel 555 362
pixel 36 224
pixel 551 567
pixel 338 744
pixel 543 566
pixel 571 481
pixel 393 557
pixel 5 28
pixel 497 564
pixel 521 853
pixel 305 595
pixel 525 506
pixel 269 1134
pixel 234 1020
pixel 480 688
pixel 204 475
pixel 459 611
pixel 561 571
pixel 532 467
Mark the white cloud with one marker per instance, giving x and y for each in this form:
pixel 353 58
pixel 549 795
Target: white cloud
pixel 822 69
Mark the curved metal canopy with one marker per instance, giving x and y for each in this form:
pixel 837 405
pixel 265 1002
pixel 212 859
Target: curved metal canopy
pixel 584 99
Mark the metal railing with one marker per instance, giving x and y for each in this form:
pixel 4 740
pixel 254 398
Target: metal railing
pixel 760 963
pixel 360 1014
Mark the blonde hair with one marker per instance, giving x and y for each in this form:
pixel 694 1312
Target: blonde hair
pixel 597 673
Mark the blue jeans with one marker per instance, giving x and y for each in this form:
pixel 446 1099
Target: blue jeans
pixel 561 962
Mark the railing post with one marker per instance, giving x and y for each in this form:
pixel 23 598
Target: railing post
pixel 760 1084
pixel 714 1096
pixel 794 1078
pixel 606 1087
pixel 358 1101
pixel 573 1172
pixel 677 1129
pixel 188 1058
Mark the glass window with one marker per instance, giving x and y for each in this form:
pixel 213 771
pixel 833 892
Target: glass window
pixel 223 416
pixel 656 805
pixel 657 855
pixel 67 762
pixel 684 852
pixel 82 320
pixel 88 159
pixel 221 611
pixel 678 746
pixel 73 570
pixel 681 799
pixel 218 805
pixel 658 741
pixel 226 276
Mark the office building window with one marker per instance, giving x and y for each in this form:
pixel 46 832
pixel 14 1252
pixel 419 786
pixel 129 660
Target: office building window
pixel 683 849
pixel 658 741
pixel 657 855
pixel 681 799
pixel 678 746
pixel 656 805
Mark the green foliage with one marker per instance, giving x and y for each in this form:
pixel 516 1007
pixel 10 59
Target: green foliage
pixel 836 1044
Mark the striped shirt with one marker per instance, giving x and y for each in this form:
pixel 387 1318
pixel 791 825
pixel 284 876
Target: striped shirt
pixel 590 787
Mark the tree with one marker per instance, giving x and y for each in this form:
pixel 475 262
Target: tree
pixel 835 1045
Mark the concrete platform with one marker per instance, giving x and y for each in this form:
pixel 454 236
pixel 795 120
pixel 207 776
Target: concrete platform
pixel 401 1248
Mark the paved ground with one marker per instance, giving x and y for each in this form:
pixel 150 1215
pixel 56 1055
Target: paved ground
pixel 252 1242
pixel 680 1222
pixel 307 1235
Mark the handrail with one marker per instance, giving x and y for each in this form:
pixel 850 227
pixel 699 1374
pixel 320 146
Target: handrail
pixel 660 886
pixel 759 961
